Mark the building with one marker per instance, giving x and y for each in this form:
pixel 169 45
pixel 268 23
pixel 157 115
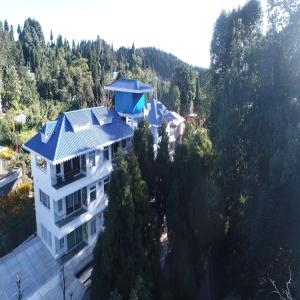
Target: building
pixel 72 158
pixel 157 114
pixel 131 105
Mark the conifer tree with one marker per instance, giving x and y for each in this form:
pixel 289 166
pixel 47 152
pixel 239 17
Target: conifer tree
pixel 163 174
pixel 123 251
pixel 143 149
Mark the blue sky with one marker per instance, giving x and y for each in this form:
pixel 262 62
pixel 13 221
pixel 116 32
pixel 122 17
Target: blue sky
pixel 183 27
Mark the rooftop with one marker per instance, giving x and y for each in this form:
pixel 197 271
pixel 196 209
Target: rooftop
pixel 77 132
pixel 158 114
pixel 40 273
pixel 129 86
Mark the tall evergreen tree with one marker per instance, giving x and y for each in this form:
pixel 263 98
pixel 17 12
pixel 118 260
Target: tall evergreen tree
pixel 163 174
pixel 143 149
pixel 123 253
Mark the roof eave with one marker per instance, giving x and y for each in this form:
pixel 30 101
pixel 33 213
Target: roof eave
pixel 117 89
pixel 57 161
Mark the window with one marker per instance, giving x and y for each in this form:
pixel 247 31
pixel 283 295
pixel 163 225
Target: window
pixel 74 238
pixel 106 181
pixel 123 144
pixel 59 205
pixel 84 196
pixel 73 202
pixel 106 153
pixel 93 195
pixel 44 199
pixel 62 243
pixel 46 236
pixel 93 226
pixel 41 163
pixel 92 159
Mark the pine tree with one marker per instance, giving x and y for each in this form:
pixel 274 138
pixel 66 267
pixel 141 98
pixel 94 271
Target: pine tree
pixel 163 174
pixel 143 149
pixel 122 253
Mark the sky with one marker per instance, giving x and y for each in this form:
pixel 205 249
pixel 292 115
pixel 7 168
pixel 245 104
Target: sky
pixel 183 28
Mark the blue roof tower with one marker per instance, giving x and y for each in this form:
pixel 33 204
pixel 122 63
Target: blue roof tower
pixel 129 95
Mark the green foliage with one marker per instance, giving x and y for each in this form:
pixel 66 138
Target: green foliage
pixel 16 206
pixel 123 254
pixel 143 149
pixel 194 214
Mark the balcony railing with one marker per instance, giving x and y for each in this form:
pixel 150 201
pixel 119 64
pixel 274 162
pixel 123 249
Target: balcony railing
pixel 60 221
pixel 68 177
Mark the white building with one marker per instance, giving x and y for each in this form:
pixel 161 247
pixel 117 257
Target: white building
pixel 71 161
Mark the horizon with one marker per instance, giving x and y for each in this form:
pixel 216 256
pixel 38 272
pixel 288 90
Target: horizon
pixel 163 32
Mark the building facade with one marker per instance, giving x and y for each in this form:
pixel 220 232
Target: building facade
pixel 71 162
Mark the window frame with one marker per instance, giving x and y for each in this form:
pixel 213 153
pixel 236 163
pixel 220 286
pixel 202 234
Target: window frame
pixel 44 199
pixel 106 181
pixel 106 153
pixel 41 163
pixel 93 227
pixel 60 205
pixel 93 189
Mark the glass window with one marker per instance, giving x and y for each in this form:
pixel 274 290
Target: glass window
pixel 41 163
pixel 62 243
pixel 77 199
pixel 78 235
pixel 75 237
pixel 92 159
pixel 106 181
pixel 93 195
pixel 106 153
pixel 93 226
pixel 123 144
pixel 44 199
pixel 84 196
pixel 59 205
pixel 71 240
pixel 69 204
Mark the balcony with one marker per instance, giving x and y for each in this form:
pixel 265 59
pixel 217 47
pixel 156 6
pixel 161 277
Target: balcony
pixel 69 171
pixel 63 221
pixel 68 177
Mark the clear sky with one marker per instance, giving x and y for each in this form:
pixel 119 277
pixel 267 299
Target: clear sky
pixel 183 27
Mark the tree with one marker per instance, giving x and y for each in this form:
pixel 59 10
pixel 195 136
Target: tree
pixel 13 207
pixel 19 286
pixel 120 255
pixel 163 174
pixel 12 87
pixel 143 149
pixel 184 78
pixel 62 278
pixel 193 193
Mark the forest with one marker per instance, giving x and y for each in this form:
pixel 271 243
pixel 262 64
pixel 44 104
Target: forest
pixel 228 199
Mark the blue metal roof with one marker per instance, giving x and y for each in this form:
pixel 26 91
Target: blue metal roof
pixel 129 86
pixel 154 116
pixel 158 113
pixel 67 139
